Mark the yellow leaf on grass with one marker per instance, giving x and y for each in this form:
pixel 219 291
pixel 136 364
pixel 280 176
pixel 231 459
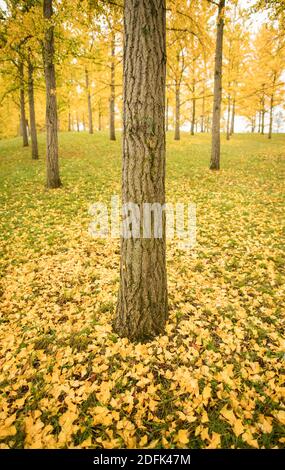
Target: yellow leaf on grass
pixel 143 441
pixel 238 427
pixel 182 436
pixel 6 431
pixel 228 415
pixel 280 415
pixel 215 441
pixel 248 438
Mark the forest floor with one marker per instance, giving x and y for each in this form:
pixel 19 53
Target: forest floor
pixel 214 378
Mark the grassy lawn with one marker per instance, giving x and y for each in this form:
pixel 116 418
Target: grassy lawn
pixel 214 378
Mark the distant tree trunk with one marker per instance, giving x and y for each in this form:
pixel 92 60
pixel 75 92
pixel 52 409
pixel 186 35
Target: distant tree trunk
pixel 271 108
pixel 271 116
pixel 262 110
pixel 77 122
pixel 142 304
pixel 166 116
pixel 112 91
pixel 69 121
pixel 228 116
pixel 216 124
pixel 252 125
pixel 83 122
pixel 99 120
pixel 90 118
pixel 203 113
pixel 193 119
pixel 53 179
pixel 22 106
pixel 233 117
pixel 177 112
pixel 35 152
pixel 259 121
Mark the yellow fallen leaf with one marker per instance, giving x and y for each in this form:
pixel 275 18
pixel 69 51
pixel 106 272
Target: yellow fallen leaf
pixel 182 436
pixel 238 427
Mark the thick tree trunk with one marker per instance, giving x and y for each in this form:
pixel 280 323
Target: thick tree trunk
pixel 216 124
pixel 228 117
pixel 112 92
pixel 89 104
pixel 142 304
pixel 53 179
pixel 22 106
pixel 177 112
pixel 34 138
pixel 233 117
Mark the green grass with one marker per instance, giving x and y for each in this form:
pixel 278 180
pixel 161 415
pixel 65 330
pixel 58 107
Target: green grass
pixel 226 300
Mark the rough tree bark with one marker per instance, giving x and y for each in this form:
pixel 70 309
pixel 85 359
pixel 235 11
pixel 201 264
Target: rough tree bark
pixel 53 179
pixel 112 91
pixel 142 304
pixel 90 117
pixel 33 127
pixel 216 124
pixel 22 106
pixel 177 112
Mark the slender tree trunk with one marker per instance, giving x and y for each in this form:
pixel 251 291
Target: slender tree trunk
pixel 22 106
pixel 216 124
pixel 203 113
pixel 228 117
pixel 233 117
pixel 99 120
pixel 83 122
pixel 177 112
pixel 90 117
pixel 34 138
pixel 53 179
pixel 166 116
pixel 69 121
pixel 262 110
pixel 193 110
pixel 271 116
pixel 259 121
pixel 77 122
pixel 142 304
pixel 112 91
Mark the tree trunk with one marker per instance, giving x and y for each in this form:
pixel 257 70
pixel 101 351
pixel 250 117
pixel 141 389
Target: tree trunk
pixel 90 117
pixel 228 117
pixel 112 91
pixel 83 122
pixel 77 122
pixel 193 109
pixel 271 116
pixel 166 116
pixel 259 121
pixel 262 110
pixel 22 106
pixel 69 121
pixel 203 113
pixel 216 124
pixel 233 117
pixel 142 304
pixel 177 112
pixel 53 179
pixel 35 152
